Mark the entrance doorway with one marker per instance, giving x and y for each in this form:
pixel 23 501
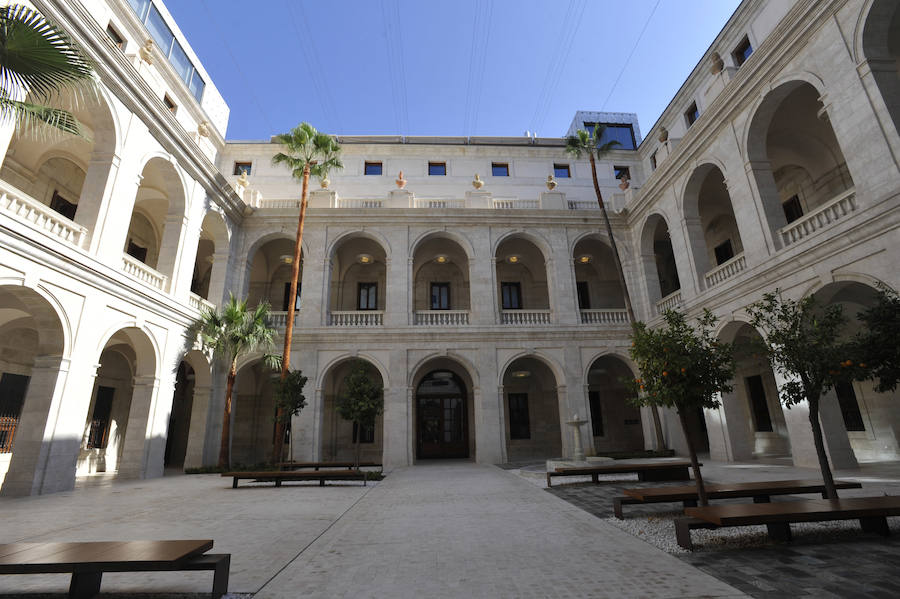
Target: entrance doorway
pixel 441 426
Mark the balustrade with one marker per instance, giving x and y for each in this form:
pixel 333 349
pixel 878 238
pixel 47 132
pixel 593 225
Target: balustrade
pixel 278 320
pixel 820 218
pixel 200 304
pixel 525 317
pixel 670 302
pixel 140 271
pixel 441 317
pixel 356 318
pixel 515 204
pixel 726 270
pixel 439 203
pixel 607 316
pixel 360 202
pixel 19 206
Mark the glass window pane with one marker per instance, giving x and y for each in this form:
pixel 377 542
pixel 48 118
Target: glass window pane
pixel 437 168
pixel 140 7
pixel 499 169
pixel 561 171
pixel 160 32
pixel 181 62
pixel 197 85
pixel 373 168
pixel 620 133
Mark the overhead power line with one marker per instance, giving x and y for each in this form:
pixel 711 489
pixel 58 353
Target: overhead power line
pixel 630 54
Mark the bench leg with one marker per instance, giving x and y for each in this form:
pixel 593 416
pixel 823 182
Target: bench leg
pixel 683 533
pixel 761 499
pixel 779 531
pixel 278 482
pixel 548 480
pixel 220 577
pixel 877 524
pixel 234 483
pixel 321 482
pixel 617 507
pixel 689 503
pixel 595 478
pixel 85 585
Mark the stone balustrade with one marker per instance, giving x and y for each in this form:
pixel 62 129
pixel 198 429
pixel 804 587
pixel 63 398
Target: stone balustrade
pixel 441 317
pixel 726 270
pixel 670 302
pixel 356 318
pixel 604 316
pixel 439 203
pixel 820 218
pixel 288 204
pixel 515 204
pixel 19 206
pixel 140 271
pixel 201 305
pixel 359 202
pixel 525 317
pixel 278 320
pixel 583 205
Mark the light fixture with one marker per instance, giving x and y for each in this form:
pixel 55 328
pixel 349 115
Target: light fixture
pixel 584 259
pixel 365 259
pixel 514 258
pixel 442 259
pixel 520 374
pixel 286 259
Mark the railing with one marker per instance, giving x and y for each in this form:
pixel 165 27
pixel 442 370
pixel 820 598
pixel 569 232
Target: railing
pixel 200 304
pixel 604 316
pixel 515 204
pixel 278 320
pixel 357 318
pixel 525 316
pixel 670 302
pixel 290 204
pixel 360 203
pixel 583 205
pixel 819 218
pixel 439 203
pixel 726 270
pixel 441 317
pixel 21 207
pixel 142 272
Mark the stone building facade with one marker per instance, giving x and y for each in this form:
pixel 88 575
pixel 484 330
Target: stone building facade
pixel 490 312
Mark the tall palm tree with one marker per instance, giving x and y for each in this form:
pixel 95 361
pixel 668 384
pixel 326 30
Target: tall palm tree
pixel 306 152
pixel 584 143
pixel 39 58
pixel 233 333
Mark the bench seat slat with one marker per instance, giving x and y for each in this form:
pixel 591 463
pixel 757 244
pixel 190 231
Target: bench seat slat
pixel 620 468
pixel 726 490
pixel 809 510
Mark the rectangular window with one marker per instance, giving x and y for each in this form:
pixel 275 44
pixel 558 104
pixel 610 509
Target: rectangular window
pixel 159 31
pixel 519 424
pixel 98 434
pixel 596 413
pixel 511 295
pixel 724 252
pixel 742 52
pixel 63 206
pixel 117 39
pixel 440 296
pixel 12 397
pixel 367 436
pixel 287 295
pixel 653 161
pixel 140 8
pixel 242 167
pixel 499 169
pixel 692 114
pixel 437 168
pixel 618 132
pixel 853 420
pixel 196 85
pixel 621 172
pixel 368 296
pixel 561 171
pixel 373 168
pixel 584 295
pixel 792 209
pixel 137 252
pixel 181 62
pixel 170 104
pixel 758 404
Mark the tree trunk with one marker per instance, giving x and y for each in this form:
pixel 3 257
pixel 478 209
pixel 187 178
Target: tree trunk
pixel 225 446
pixel 358 444
pixel 278 450
pixel 827 478
pixel 695 465
pixel 657 427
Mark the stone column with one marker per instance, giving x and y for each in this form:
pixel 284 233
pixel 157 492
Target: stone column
pixel 184 273
pixel 396 295
pixel 561 288
pixel 730 437
pixel 488 405
pixel 482 283
pixel 770 214
pixel 397 418
pixel 172 251
pixel 217 277
pixel 197 433
pixel 504 435
pixel 692 230
pixel 133 463
pixel 879 78
pixel 96 194
pixel 109 238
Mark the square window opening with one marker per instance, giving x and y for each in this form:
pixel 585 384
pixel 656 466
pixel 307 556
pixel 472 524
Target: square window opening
pixel 115 37
pixel 440 296
pixel 653 161
pixel 367 296
pixel 692 114
pixel 499 169
pixel 793 210
pixel 561 171
pixel 511 295
pixel 170 104
pixel 437 168
pixel 242 167
pixel 373 168
pixel 622 172
pixel 742 52
pixel 724 252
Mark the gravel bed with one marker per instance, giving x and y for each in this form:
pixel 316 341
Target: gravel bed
pixel 539 478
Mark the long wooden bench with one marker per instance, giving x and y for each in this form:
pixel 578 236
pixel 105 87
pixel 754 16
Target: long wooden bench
pixel 872 513
pixel 320 465
pixel 279 477
pixel 87 561
pixel 646 471
pixel 759 491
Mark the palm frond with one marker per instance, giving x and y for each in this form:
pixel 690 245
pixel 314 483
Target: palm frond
pixel 39 120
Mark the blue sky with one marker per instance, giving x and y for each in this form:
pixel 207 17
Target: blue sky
pixel 462 67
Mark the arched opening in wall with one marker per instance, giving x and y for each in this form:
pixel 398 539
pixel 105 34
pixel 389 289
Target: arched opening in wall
pixel 713 232
pixel 615 421
pixel 443 409
pixel 531 411
pixel 440 282
pixel 522 282
pixel 597 287
pixel 253 415
pixel 658 259
pixel 270 275
pixel 65 172
pixel 115 433
pixel 339 436
pixel 208 279
pixel 191 375
pixel 796 158
pixel 871 419
pixel 881 48
pixel 31 346
pixel 357 289
pixel 154 233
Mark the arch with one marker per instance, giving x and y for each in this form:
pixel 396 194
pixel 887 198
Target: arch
pixel 461 240
pixel 338 437
pixel 264 236
pixel 142 340
pixel 375 236
pixel 440 276
pixel 538 240
pixel 175 188
pixel 416 371
pixel 533 407
pixel 614 352
pixel 444 400
pixel 616 424
pixel 345 357
pixel 45 295
pixel 540 356
pixel 201 365
pixel 658 258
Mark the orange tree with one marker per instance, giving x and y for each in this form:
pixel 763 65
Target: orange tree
pixel 683 368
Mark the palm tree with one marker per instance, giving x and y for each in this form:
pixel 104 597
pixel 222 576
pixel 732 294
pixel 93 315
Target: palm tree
pixel 39 58
pixel 585 143
pixel 233 333
pixel 307 152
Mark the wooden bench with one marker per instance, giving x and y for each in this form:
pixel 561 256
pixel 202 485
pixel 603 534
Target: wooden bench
pixel 646 471
pixel 87 561
pixel 320 465
pixel 872 513
pixel 759 491
pixel 279 477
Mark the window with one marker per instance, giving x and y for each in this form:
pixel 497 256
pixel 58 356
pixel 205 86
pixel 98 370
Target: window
pixel 170 104
pixel 624 134
pixel 117 39
pixel 511 296
pixel 561 171
pixel 519 425
pixel 653 161
pixel 63 206
pixel 373 168
pixel 368 296
pixel 692 114
pixel 724 252
pixel 287 295
pixel 853 420
pixel 437 168
pixel 98 434
pixel 596 413
pixel 758 404
pixel 584 295
pixel 742 52
pixel 367 436
pixel 137 252
pixel 242 167
pixel 792 209
pixel 620 172
pixel 440 296
pixel 12 398
pixel 499 169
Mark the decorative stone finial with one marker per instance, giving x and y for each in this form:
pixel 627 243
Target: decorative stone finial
pixel 551 183
pixel 624 183
pixel 717 63
pixel 400 181
pixel 324 182
pixel 477 183
pixel 203 129
pixel 242 181
pixel 146 51
pixel 663 134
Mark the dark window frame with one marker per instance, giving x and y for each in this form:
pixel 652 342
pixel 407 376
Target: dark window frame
pixel 590 127
pixel 559 167
pixel 101 418
pixel 368 433
pixel 239 167
pixel 849 404
pixel 692 114
pixel 742 51
pixel 793 209
pixel 720 250
pixel 503 167
pixel 379 165
pixel 442 286
pixel 117 38
pixel 506 298
pixel 437 166
pixel 619 170
pixel 596 407
pixel 653 161
pixel 171 106
pixel 759 404
pixel 63 206
pixel 519 417
pixel 372 290
pixel 13 390
pixel 583 293
pixel 287 293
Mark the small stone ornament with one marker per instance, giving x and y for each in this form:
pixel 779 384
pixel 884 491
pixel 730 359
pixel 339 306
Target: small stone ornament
pixel 324 182
pixel 400 181
pixel 146 51
pixel 551 183
pixel 663 134
pixel 203 129
pixel 477 183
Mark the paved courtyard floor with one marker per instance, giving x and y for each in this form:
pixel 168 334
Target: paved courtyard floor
pixel 435 530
